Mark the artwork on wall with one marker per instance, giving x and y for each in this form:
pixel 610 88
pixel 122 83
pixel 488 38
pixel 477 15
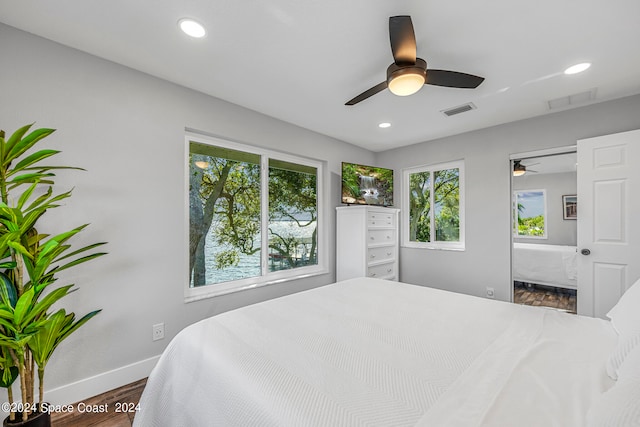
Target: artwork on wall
pixel 570 206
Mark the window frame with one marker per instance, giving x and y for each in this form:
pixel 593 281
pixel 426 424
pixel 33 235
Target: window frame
pixel 516 234
pixel 432 168
pixel 266 277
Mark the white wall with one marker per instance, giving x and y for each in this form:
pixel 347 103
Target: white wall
pixel 560 231
pixel 127 129
pixel 486 260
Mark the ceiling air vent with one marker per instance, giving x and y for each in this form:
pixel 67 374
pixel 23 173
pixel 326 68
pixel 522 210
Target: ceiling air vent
pixel 459 109
pixel 576 98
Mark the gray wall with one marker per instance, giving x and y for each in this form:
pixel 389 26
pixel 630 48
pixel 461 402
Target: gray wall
pixel 127 129
pixel 486 260
pixel 559 231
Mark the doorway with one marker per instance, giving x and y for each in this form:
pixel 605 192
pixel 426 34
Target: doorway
pixel 544 229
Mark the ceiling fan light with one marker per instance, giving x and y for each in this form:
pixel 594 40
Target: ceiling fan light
pixel 518 168
pixel 406 83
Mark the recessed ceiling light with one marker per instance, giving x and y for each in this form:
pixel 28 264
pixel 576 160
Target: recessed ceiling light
pixel 192 28
pixel 578 68
pixel 384 125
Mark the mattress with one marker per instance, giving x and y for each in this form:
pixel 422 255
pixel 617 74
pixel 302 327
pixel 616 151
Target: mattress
pixel 380 353
pixel 550 265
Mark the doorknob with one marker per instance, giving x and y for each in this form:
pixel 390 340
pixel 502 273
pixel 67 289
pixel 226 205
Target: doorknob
pixel 585 252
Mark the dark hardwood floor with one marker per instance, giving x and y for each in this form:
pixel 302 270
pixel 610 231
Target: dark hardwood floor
pixel 544 296
pixel 117 406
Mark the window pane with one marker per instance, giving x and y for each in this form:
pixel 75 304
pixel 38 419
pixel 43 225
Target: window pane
pixel 224 214
pixel 293 215
pixel 530 208
pixel 447 204
pixel 419 207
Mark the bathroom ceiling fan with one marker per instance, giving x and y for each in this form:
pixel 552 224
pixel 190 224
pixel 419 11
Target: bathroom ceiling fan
pixel 408 73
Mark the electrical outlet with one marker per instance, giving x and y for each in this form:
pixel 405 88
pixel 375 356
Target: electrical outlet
pixel 490 293
pixel 158 332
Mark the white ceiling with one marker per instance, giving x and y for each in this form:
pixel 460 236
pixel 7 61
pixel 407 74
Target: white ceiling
pixel 557 163
pixel 301 60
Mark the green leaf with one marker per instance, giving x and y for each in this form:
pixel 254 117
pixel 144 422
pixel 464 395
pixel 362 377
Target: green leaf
pixel 19 248
pixel 39 308
pixel 22 307
pixel 8 293
pixel 34 158
pixel 58 327
pixel 9 375
pixel 76 252
pixel 26 195
pixel 17 148
pixel 35 177
pixel 81 260
pixel 12 141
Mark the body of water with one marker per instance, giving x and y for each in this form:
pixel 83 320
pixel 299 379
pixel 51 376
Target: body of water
pixel 249 265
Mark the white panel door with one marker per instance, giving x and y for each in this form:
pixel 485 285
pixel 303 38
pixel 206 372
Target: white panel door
pixel 608 220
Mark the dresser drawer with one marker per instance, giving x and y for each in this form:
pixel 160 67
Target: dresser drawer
pixel 382 271
pixel 380 219
pixel 383 253
pixel 381 236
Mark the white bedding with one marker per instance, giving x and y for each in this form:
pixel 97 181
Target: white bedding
pixel 551 265
pixel 380 353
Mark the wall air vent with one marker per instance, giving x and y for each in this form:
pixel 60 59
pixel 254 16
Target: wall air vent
pixel 459 109
pixel 575 99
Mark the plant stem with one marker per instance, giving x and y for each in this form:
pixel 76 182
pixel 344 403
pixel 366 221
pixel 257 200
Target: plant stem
pixel 12 414
pixel 40 387
pixel 23 385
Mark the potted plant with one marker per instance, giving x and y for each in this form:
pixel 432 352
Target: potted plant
pixel 30 329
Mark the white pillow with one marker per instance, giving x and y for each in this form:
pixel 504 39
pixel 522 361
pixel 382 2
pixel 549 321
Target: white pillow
pixel 626 345
pixel 625 315
pixel 617 407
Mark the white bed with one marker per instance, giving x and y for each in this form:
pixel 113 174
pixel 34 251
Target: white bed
pixel 381 353
pixel 542 264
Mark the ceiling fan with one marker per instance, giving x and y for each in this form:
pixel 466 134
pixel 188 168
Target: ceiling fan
pixel 408 73
pixel 519 169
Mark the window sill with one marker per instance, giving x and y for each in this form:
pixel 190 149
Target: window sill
pixel 225 288
pixel 437 248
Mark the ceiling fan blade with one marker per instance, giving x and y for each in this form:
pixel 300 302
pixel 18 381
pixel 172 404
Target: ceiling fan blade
pixel 453 79
pixel 367 93
pixel 403 40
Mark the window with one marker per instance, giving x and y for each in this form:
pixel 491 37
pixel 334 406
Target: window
pixel 254 217
pixel 434 206
pixel 530 214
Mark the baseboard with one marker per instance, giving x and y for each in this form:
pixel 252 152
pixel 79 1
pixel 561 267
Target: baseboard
pixel 101 383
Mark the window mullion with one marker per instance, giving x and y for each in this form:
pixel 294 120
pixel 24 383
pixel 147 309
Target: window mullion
pixel 264 215
pixel 432 215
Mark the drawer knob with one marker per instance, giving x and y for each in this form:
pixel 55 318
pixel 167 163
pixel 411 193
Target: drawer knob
pixel 373 255
pixel 373 274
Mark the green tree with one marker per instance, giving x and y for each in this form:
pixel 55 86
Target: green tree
pixel 446 188
pixel 229 192
pixel 224 200
pixel 293 196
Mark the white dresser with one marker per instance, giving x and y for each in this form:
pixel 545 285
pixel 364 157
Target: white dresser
pixel 366 242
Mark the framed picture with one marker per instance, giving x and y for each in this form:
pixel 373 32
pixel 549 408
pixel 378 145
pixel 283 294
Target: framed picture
pixel 570 206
